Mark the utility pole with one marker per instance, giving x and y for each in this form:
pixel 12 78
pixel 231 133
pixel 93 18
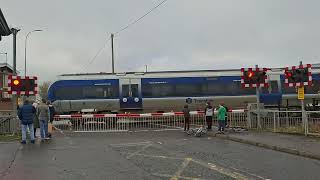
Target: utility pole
pixel 258 104
pixel 14 97
pixel 112 36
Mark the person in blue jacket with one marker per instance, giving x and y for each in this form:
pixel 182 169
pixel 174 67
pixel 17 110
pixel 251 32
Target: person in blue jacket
pixel 26 114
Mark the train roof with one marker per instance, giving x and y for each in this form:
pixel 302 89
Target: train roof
pixel 152 74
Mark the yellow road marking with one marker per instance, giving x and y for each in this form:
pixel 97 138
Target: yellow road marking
pixel 178 177
pixel 185 163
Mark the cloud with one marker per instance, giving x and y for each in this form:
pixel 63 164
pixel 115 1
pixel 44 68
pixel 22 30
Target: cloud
pixel 180 35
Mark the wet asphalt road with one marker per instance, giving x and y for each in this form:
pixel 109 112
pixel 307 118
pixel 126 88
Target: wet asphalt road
pixel 149 155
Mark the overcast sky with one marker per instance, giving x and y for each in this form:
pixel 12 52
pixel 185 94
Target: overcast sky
pixel 179 35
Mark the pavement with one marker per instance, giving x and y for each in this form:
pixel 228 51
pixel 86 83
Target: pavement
pixel 305 146
pixel 148 155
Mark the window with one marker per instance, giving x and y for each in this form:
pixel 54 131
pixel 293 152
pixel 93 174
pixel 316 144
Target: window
pixel 69 93
pixel 86 92
pixel 315 88
pixel 158 90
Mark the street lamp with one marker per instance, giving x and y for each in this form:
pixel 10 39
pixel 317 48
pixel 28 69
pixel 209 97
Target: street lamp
pixel 6 57
pixel 25 50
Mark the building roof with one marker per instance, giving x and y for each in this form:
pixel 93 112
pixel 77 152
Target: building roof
pixel 4 28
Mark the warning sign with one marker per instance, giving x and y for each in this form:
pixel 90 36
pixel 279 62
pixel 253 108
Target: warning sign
pixel 301 93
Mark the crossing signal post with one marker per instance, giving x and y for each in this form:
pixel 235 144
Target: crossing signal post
pixel 255 78
pixel 299 77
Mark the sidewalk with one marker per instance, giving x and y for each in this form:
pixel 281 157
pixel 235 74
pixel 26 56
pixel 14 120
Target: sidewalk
pixel 298 145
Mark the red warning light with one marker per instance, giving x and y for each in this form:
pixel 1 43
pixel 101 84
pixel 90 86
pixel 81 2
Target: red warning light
pixel 16 82
pixel 289 74
pixel 250 74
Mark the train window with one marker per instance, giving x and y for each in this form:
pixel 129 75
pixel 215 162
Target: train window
pixel 314 89
pixel 244 91
pixel 188 90
pixel 69 93
pixel 125 90
pixel 274 87
pixel 93 92
pixel 158 90
pixel 135 90
pixel 215 88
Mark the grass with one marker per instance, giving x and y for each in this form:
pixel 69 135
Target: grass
pixel 10 137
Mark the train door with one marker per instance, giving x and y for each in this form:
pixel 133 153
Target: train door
pixel 130 93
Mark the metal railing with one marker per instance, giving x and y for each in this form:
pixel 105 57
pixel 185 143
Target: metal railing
pixel 132 122
pixel 9 124
pixel 270 120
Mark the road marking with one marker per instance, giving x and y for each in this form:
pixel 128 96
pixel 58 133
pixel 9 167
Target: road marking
pixel 143 148
pixel 222 170
pixel 131 144
pixel 160 157
pixel 178 177
pixel 184 165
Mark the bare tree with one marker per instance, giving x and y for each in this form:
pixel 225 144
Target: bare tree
pixel 43 89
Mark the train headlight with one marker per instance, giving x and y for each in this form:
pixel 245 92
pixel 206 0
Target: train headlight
pixel 136 99
pixel 125 100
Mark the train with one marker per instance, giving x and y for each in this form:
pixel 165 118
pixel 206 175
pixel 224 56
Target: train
pixel 164 91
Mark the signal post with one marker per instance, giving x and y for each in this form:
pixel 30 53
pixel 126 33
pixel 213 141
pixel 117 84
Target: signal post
pixel 255 78
pixel 300 77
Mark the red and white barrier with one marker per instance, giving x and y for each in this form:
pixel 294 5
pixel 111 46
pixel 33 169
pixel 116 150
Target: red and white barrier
pixel 138 115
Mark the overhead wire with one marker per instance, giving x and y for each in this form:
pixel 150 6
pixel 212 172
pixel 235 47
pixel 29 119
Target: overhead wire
pixel 137 20
pixel 124 28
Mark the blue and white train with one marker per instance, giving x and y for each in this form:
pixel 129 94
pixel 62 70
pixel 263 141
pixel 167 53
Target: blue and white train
pixel 166 91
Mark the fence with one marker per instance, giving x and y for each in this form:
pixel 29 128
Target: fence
pixel 9 124
pixel 286 121
pixel 132 122
pixel 270 120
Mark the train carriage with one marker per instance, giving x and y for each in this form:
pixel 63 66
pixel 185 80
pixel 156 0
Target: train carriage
pixel 164 91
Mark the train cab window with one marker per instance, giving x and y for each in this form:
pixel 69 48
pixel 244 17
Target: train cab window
pixel 135 90
pixel 125 90
pixel 274 87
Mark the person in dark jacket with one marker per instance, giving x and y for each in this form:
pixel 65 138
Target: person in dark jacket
pixel 186 113
pixel 209 111
pixel 51 111
pixel 36 123
pixel 51 115
pixel 26 114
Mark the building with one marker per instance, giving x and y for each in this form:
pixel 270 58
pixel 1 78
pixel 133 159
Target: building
pixel 5 98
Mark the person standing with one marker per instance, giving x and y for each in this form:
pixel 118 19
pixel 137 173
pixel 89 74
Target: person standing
pixel 51 116
pixel 26 114
pixel 186 113
pixel 36 123
pixel 43 115
pixel 221 117
pixel 209 114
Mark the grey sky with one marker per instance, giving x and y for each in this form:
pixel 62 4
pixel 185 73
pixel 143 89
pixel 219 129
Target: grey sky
pixel 180 35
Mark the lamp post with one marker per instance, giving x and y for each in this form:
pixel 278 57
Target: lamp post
pixel 25 50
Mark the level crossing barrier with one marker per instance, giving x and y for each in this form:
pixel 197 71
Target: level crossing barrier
pixel 133 122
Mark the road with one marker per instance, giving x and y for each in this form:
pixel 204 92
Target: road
pixel 151 155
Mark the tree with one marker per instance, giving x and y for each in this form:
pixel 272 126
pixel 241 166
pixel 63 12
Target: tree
pixel 43 89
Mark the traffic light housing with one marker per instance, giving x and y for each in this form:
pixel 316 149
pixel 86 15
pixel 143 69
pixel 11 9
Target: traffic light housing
pixel 254 77
pixel 22 85
pixel 298 76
